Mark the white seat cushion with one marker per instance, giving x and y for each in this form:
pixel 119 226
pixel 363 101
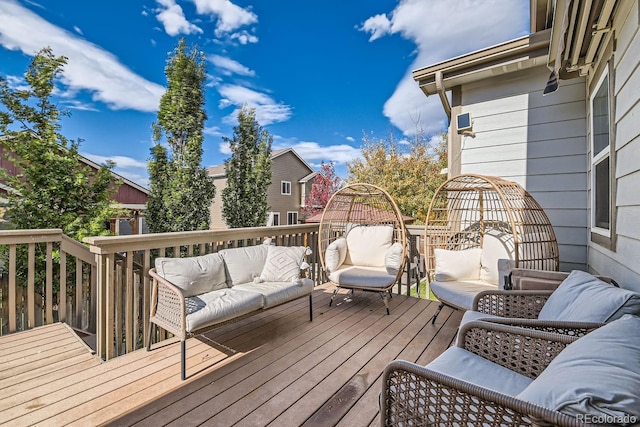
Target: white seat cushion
pixel 218 306
pixel 460 293
pixel 370 277
pixel 470 316
pixel 367 244
pixel 459 363
pixel 276 293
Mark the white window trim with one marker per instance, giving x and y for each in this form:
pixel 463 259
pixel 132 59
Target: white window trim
pixel 276 215
pixel 282 184
pixel 292 212
pixel 599 157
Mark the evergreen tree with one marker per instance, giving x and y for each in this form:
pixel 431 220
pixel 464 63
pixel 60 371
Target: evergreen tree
pixel 181 190
pixel 248 173
pixel 324 185
pixel 53 189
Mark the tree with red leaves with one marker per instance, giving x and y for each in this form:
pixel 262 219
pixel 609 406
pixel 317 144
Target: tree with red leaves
pixel 324 185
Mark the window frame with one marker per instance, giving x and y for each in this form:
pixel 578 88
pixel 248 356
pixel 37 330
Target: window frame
pixel 289 213
pixel 282 188
pixel 601 235
pixel 276 218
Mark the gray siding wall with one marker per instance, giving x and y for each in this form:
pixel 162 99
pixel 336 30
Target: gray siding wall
pixel 538 142
pixel 623 263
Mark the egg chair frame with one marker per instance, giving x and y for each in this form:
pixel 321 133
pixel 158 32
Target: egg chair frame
pixel 362 205
pixel 468 207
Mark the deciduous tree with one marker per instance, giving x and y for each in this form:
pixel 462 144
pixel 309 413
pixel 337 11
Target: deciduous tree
pixel 325 183
pixel 410 170
pixel 248 173
pixel 181 190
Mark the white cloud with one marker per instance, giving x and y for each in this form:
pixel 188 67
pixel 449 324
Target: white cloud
pixel 75 104
pixel 228 66
pixel 350 139
pixel 442 29
pixel 268 111
pixel 230 16
pixel 244 37
pixel 89 67
pixel 377 26
pixel 77 29
pixel 312 152
pixel 172 17
pixel 212 131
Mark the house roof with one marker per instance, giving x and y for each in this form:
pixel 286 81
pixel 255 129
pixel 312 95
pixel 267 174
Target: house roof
pixel 218 171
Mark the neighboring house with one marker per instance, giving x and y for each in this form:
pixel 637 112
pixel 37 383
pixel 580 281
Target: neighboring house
pixel 291 179
pixel 576 150
pixel 129 196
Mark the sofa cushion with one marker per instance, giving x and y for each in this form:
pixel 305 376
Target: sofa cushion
pixel 457 265
pixel 283 263
pixel 459 363
pixel 335 254
pixel 368 277
pixel 218 306
pixel 583 297
pixel 276 293
pixel 599 374
pixel 460 293
pixel 496 245
pixel 244 264
pixel 194 275
pixel 368 244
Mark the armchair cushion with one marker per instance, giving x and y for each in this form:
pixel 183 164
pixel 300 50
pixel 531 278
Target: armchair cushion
pixel 457 265
pixel 393 258
pixel 460 293
pixel 194 275
pixel 283 263
pixel 599 374
pixel 582 297
pixel 335 254
pixel 368 244
pixel 496 245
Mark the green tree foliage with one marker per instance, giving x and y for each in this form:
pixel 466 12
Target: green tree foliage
pixel 409 170
pixel 53 188
pixel 248 173
pixel 324 185
pixel 181 190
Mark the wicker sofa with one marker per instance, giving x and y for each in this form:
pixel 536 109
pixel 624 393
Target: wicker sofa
pixel 504 375
pixel 193 295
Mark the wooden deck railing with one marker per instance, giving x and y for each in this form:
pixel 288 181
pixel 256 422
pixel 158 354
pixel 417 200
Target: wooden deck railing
pixel 46 277
pixel 109 292
pixel 123 285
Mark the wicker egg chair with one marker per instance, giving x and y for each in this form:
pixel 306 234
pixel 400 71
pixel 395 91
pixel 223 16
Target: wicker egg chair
pixel 477 229
pixel 363 240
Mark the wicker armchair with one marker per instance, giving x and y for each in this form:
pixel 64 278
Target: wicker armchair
pixel 416 395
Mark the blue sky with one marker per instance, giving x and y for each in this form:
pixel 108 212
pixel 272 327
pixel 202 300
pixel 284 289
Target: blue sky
pixel 319 73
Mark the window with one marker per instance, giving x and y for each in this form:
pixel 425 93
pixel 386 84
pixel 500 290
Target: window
pixel 601 158
pixel 292 218
pixel 276 218
pixel 286 188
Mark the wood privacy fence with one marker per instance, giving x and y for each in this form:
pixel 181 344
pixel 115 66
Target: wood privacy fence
pixel 104 288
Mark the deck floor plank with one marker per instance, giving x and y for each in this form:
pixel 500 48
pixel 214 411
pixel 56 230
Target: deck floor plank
pixel 276 367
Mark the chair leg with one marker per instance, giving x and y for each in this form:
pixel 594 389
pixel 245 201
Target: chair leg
pixel 433 319
pixel 310 308
pixel 385 300
pixel 183 363
pixel 151 326
pixel 333 296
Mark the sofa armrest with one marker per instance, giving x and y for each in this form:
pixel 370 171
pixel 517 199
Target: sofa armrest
pixel 414 395
pixel 577 329
pixel 335 254
pixel 520 304
pixel 522 350
pixel 167 306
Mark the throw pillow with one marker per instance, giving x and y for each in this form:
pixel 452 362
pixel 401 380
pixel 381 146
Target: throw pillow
pixel 335 254
pixel 457 265
pixel 597 375
pixel 582 297
pixel 393 258
pixel 496 245
pixel 283 263
pixel 368 244
pixel 194 275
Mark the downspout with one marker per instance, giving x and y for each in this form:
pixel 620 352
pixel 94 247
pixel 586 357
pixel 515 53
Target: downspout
pixel 443 95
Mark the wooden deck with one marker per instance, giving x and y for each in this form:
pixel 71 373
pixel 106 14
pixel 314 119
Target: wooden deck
pixel 275 368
